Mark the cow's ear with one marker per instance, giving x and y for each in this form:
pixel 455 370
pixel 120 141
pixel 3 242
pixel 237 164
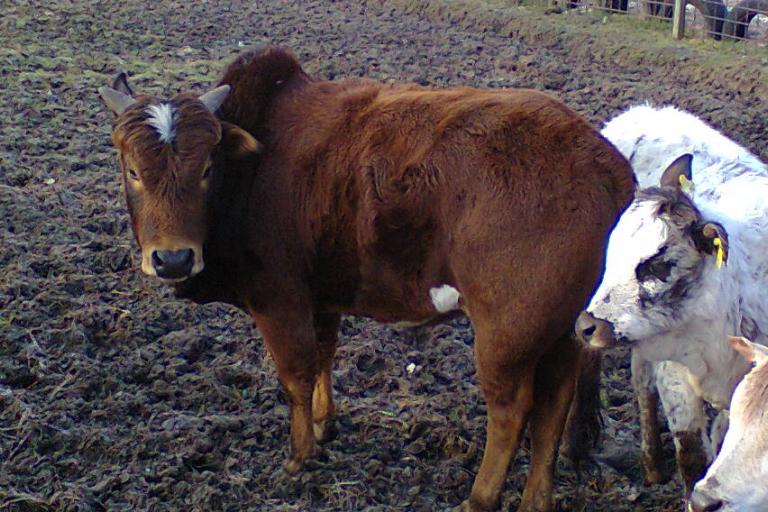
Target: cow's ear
pixel 711 238
pixel 118 97
pixel 120 84
pixel 752 352
pixel 678 174
pixel 236 142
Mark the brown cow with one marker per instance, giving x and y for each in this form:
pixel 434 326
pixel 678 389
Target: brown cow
pixel 395 202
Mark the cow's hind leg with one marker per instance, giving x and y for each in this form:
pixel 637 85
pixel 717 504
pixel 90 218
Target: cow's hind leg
pixel 555 381
pixel 323 410
pixel 584 424
pixel 508 390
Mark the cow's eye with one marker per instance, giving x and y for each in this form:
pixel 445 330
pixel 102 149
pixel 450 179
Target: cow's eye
pixel 655 268
pixel 207 173
pixel 133 175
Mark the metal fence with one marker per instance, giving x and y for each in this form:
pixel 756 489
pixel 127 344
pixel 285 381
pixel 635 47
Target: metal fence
pixel 738 20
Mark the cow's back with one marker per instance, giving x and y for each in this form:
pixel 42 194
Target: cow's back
pixel 419 174
pixel 651 138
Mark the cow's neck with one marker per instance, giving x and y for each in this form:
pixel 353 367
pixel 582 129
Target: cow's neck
pixel 224 261
pixel 715 367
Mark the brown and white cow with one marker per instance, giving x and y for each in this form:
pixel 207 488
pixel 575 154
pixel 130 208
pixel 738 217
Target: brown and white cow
pixel 736 480
pixel 395 202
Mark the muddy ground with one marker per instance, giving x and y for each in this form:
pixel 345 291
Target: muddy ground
pixel 115 396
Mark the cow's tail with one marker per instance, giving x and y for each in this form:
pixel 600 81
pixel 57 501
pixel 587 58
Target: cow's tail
pixel 584 423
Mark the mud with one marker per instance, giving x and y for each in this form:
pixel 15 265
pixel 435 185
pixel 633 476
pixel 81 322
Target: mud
pixel 115 396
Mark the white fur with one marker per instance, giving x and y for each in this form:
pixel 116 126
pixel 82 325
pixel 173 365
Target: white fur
pixel 162 118
pixel 637 236
pixel 445 298
pixel 731 187
pixel 739 473
pixel 651 138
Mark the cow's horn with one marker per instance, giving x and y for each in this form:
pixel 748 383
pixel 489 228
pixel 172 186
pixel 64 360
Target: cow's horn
pixel 213 99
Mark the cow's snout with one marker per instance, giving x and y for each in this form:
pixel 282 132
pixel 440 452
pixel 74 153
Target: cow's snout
pixel 595 331
pixel 702 502
pixel 173 264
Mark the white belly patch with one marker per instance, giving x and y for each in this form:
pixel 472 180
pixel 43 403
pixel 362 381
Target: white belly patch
pixel 445 298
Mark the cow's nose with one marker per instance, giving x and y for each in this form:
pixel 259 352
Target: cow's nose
pixel 595 331
pixel 173 264
pixel 702 502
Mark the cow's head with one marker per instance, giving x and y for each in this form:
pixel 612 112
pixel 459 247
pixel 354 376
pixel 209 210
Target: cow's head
pixel 736 480
pixel 656 257
pixel 167 150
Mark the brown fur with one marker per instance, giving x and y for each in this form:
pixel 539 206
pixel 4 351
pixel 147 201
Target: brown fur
pixel 367 195
pixel 166 171
pixel 691 459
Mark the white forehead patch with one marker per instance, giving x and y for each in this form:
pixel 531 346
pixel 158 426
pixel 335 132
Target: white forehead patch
pixel 445 298
pixel 637 236
pixel 161 117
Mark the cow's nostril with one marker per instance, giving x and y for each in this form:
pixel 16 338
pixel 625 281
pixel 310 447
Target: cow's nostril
pixel 714 506
pixel 594 331
pixel 173 264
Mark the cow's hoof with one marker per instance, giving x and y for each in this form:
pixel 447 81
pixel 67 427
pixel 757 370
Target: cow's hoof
pixel 470 506
pixel 298 463
pixel 464 507
pixel 537 507
pixel 324 431
pixel 293 466
pixel 653 477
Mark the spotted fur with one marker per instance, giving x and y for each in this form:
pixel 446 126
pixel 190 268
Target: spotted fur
pixel 653 263
pixel 686 316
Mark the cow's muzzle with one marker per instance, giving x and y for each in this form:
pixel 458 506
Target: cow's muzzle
pixel 595 331
pixel 173 264
pixel 702 502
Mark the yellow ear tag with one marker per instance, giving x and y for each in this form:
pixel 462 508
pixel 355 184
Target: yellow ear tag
pixel 686 185
pixel 720 253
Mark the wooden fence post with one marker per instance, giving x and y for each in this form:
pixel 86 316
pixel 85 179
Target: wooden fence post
pixel 678 21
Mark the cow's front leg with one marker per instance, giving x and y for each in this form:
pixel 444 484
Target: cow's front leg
pixel 291 341
pixel 303 443
pixel 644 382
pixel 684 409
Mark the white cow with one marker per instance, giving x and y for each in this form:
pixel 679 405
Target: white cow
pixel 736 481
pixel 664 290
